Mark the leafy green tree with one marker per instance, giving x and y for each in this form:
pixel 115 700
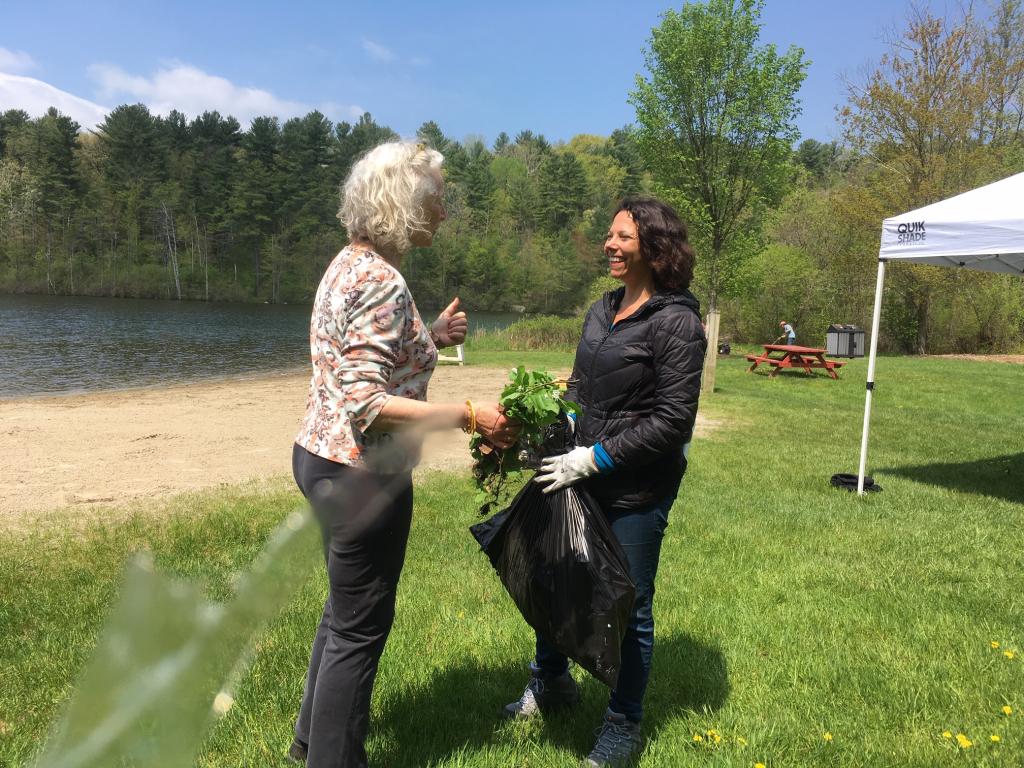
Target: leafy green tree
pixel 56 138
pixel 518 193
pixel 935 117
pixel 134 165
pixel 130 136
pixel 1002 55
pixel 819 159
pixel 257 194
pixel 478 181
pixel 456 162
pixel 562 191
pixel 353 141
pixel 717 116
pixel 19 200
pixel 11 121
pixel 430 133
pixel 605 177
pixel 309 196
pixel 214 141
pixel 530 149
pixel 623 146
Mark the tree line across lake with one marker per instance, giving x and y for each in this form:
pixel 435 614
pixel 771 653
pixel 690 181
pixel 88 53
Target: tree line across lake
pixel 172 207
pixel 167 207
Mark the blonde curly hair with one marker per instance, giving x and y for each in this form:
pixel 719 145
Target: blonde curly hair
pixel 382 198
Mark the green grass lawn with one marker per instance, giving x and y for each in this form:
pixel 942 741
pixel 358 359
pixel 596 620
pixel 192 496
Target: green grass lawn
pixel 786 609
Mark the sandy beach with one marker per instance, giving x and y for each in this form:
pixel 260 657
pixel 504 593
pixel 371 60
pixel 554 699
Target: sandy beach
pixel 105 449
pixel 83 455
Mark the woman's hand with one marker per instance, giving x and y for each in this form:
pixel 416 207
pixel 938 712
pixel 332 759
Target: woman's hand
pixel 495 427
pixel 450 327
pixel 557 472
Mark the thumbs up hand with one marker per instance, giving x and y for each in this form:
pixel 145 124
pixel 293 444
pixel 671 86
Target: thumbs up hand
pixel 450 327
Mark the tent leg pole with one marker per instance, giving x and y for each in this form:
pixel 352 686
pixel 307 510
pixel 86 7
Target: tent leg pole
pixel 876 317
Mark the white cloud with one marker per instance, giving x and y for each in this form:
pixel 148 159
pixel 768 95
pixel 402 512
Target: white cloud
pixel 35 97
pixel 377 51
pixel 175 86
pixel 192 91
pixel 15 62
pixel 338 112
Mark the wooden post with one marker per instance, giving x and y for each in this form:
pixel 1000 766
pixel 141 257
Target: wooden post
pixel 707 385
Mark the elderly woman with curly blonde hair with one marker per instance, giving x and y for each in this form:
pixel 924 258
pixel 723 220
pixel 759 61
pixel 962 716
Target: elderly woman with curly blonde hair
pixel 372 359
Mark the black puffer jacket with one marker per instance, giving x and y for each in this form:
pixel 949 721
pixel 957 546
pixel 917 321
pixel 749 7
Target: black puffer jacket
pixel 638 384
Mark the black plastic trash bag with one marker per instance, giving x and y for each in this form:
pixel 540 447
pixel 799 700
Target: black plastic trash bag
pixel 559 560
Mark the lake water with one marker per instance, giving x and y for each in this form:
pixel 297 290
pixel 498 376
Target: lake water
pixel 60 345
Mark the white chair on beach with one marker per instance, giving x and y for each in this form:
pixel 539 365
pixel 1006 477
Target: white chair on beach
pixel 459 356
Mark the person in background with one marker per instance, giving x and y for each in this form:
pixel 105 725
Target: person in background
pixel 367 413
pixel 788 335
pixel 637 378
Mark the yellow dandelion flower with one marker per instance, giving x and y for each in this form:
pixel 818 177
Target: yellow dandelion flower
pixel 963 741
pixel 1009 654
pixel 995 643
pixel 947 735
pixel 827 736
pixel 759 765
pixel 698 737
pixel 995 738
pixel 1007 710
pixel 717 738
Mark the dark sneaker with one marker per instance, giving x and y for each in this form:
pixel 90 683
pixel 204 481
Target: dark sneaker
pixel 544 693
pixel 618 742
pixel 297 751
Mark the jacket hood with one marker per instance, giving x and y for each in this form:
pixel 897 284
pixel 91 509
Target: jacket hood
pixel 613 299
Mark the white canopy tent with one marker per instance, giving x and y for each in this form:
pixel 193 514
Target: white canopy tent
pixel 981 229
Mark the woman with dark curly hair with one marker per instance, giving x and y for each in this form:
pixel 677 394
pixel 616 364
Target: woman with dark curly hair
pixel 637 377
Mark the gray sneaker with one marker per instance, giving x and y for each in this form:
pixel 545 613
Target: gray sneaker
pixel 544 693
pixel 297 751
pixel 618 742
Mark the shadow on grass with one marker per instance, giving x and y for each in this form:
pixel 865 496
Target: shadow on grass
pixel 998 476
pixel 458 711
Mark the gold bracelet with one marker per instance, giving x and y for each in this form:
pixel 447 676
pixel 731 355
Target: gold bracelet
pixel 470 428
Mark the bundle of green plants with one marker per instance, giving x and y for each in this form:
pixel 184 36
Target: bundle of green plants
pixel 534 399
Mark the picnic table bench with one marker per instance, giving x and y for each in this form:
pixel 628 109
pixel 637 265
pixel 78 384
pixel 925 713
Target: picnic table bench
pixel 793 356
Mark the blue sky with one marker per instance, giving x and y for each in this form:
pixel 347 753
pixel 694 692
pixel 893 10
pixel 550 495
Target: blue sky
pixel 477 68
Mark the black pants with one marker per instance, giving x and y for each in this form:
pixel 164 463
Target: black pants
pixel 365 521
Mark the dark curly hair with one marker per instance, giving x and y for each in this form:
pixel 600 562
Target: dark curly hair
pixel 663 242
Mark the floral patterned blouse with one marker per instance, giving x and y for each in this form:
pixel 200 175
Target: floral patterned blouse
pixel 367 344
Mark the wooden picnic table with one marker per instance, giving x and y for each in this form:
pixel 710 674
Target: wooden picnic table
pixel 794 356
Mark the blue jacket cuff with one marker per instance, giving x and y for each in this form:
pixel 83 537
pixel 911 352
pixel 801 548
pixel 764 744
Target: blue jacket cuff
pixel 604 461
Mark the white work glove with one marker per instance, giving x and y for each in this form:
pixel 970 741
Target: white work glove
pixel 557 472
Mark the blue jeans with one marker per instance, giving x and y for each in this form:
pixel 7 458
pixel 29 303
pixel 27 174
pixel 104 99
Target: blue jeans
pixel 640 533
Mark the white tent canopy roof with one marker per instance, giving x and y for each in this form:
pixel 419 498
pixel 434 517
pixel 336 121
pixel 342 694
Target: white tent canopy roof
pixel 981 229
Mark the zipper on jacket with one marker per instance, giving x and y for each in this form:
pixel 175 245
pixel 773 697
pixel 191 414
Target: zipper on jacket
pixel 607 334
